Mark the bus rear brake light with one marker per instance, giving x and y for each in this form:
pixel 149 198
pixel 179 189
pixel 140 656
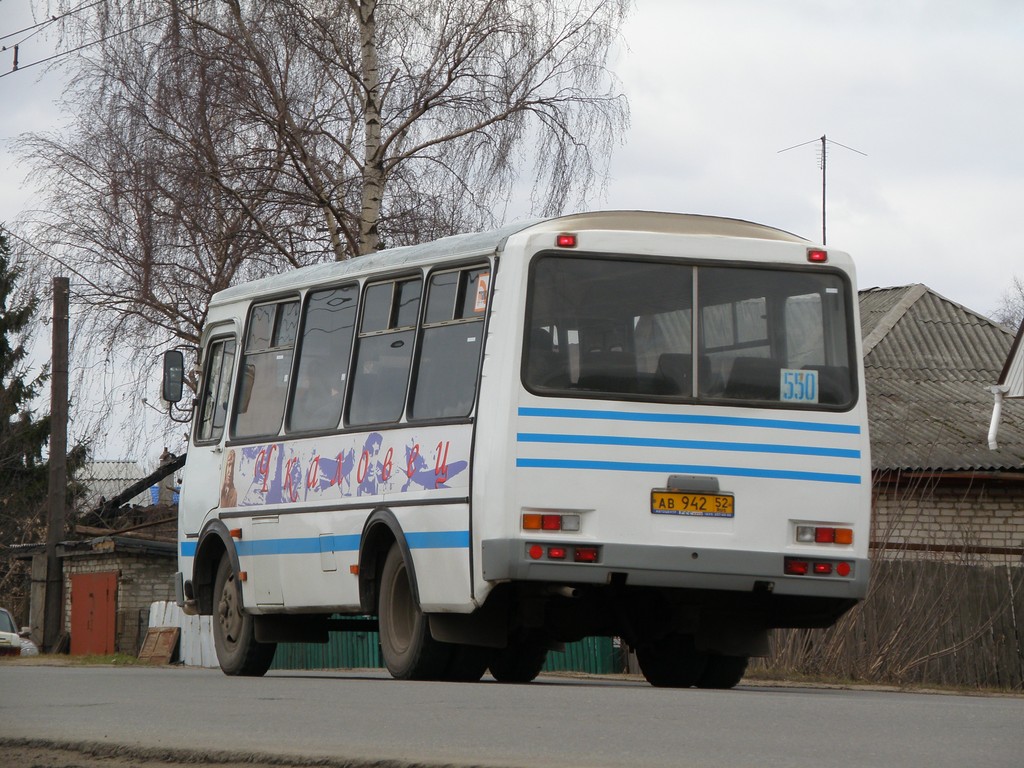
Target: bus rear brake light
pixel 538 522
pixel 810 534
pixel 585 554
pixel 796 567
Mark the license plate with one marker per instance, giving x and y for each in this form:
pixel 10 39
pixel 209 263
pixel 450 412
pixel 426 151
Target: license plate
pixel 692 504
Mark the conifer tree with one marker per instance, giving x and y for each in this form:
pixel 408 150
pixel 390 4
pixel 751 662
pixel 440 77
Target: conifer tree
pixel 23 435
pixel 24 473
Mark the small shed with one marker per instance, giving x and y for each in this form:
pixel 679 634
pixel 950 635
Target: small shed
pixel 109 584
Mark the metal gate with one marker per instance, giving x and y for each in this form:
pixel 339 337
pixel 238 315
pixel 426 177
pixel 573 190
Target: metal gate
pixel 93 605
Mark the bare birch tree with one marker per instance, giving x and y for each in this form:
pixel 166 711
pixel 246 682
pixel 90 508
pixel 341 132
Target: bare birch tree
pixel 215 142
pixel 1010 311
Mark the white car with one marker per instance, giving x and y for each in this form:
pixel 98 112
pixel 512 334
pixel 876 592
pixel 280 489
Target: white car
pixel 11 641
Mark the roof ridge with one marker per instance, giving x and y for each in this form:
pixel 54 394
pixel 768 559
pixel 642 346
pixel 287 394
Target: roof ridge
pixel 893 316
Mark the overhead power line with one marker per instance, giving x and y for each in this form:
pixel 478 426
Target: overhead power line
pixel 85 45
pixel 822 157
pixel 39 26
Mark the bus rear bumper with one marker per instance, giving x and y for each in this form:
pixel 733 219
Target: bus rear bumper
pixel 674 568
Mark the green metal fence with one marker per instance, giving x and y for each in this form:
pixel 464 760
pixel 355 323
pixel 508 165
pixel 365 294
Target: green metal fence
pixel 361 650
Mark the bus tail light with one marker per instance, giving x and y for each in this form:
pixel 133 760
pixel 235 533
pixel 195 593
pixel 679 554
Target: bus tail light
pixel 566 240
pixel 822 534
pixel 550 522
pixel 586 554
pixel 797 566
pixel 817 255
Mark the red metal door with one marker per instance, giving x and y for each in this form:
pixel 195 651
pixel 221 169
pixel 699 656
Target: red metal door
pixel 93 597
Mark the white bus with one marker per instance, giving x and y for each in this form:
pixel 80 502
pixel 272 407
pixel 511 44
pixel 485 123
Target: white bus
pixel 633 424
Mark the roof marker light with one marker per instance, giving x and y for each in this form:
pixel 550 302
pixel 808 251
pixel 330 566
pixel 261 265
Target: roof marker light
pixel 817 255
pixel 566 240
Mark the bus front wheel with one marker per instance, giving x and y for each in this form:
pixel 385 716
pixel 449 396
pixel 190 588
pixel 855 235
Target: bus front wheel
pixel 234 635
pixel 409 651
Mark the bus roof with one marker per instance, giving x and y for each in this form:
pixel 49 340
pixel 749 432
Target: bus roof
pixel 480 243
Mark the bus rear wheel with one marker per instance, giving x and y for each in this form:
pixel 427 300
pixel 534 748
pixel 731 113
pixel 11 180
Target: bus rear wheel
pixel 723 672
pixel 671 662
pixel 521 660
pixel 409 651
pixel 234 634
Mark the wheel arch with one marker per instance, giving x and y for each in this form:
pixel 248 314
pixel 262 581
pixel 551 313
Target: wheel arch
pixel 380 531
pixel 214 543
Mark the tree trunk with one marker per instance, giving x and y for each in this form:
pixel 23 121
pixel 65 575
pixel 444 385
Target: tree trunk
pixel 373 155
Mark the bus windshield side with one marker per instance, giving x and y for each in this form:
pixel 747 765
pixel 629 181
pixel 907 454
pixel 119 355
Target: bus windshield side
pixel 627 328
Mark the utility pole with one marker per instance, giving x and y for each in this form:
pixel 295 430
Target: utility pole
pixel 821 163
pixel 53 615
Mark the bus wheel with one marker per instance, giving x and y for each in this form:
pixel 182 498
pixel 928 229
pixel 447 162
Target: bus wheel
pixel 671 662
pixel 233 629
pixel 409 651
pixel 723 671
pixel 468 663
pixel 521 660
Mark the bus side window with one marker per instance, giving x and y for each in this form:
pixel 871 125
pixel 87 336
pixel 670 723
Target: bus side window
pixel 267 363
pixel 383 356
pixel 449 352
pixel 213 401
pixel 328 324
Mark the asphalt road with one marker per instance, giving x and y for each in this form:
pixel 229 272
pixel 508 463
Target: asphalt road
pixel 359 718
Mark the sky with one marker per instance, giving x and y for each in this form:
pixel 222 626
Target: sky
pixel 924 100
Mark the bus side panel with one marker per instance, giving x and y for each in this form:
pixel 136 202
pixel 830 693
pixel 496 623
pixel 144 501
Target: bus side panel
pixel 438 539
pixel 302 505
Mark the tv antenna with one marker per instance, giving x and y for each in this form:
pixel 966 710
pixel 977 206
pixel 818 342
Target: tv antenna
pixel 822 158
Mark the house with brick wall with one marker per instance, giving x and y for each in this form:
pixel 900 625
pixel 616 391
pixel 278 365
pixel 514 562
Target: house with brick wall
pixel 939 490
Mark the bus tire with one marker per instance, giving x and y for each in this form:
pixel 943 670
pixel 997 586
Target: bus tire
pixel 234 634
pixel 520 661
pixel 409 651
pixel 723 672
pixel 671 662
pixel 468 663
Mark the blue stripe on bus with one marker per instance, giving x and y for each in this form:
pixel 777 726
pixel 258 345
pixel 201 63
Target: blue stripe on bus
pixel 680 418
pixel 701 445
pixel 349 543
pixel 626 466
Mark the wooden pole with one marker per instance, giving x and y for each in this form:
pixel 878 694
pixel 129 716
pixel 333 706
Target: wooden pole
pixel 53 616
pixel 823 156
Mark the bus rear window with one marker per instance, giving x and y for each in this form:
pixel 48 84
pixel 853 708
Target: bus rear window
pixel 633 329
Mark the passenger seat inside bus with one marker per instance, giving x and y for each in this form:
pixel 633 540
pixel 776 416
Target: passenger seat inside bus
pixel 611 371
pixel 544 366
pixel 753 378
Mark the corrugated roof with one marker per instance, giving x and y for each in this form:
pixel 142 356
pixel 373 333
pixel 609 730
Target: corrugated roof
pixel 108 477
pixel 929 363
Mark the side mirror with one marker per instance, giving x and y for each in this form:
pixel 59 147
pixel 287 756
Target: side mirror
pixel 174 375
